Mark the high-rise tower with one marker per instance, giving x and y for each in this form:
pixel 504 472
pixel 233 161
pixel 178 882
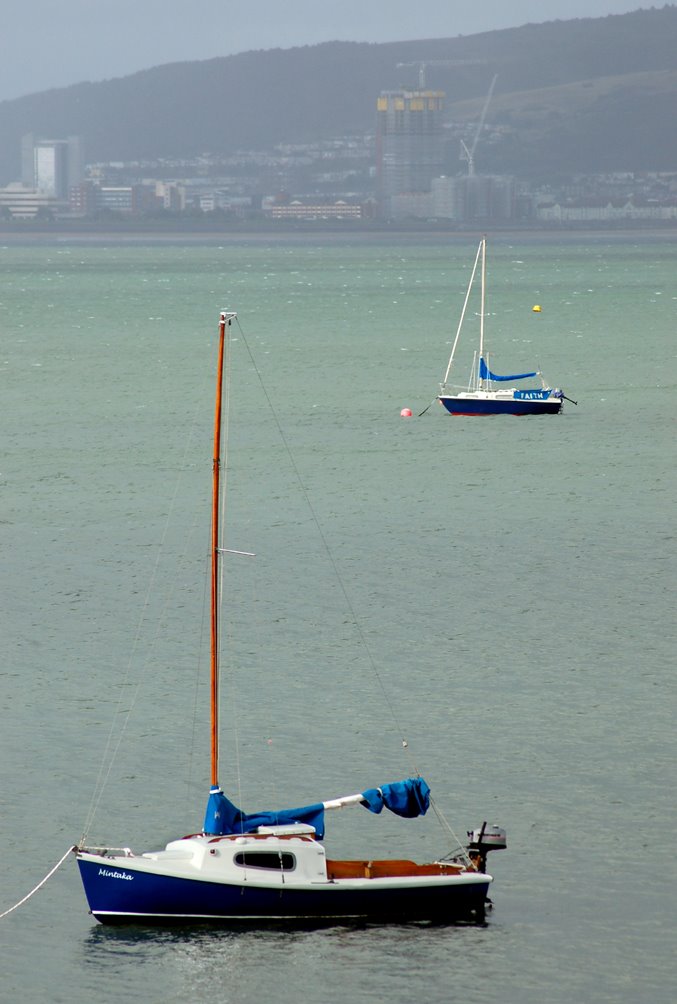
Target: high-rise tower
pixel 409 143
pixel 52 166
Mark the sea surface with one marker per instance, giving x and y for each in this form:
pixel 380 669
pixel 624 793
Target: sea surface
pixel 489 602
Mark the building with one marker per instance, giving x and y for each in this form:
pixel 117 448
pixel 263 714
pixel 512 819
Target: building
pixel 52 167
pixel 412 205
pixel 20 203
pixel 170 196
pixel 82 198
pixel 484 197
pixel 410 144
pixel 592 211
pixel 471 198
pixel 300 210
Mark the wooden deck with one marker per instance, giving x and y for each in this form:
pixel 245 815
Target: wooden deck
pixel 388 869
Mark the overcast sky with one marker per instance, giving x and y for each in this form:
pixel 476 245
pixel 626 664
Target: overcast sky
pixel 54 43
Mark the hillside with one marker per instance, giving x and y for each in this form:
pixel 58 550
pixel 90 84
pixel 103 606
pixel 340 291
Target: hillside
pixel 586 94
pixel 610 123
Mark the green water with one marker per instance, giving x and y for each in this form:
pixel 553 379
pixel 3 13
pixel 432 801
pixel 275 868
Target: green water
pixel 498 592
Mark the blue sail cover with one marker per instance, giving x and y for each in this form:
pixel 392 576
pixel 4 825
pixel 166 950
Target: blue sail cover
pixel 408 798
pixel 223 818
pixel 486 374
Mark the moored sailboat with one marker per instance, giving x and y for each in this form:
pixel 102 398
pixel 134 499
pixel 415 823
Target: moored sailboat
pixel 252 868
pixel 486 393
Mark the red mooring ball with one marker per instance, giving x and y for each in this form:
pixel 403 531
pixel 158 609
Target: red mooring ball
pixel 405 413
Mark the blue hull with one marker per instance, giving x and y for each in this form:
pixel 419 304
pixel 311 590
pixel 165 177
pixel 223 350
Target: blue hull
pixel 144 898
pixel 473 406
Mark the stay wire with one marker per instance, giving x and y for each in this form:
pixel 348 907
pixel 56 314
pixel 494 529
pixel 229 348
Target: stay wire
pixel 358 627
pixel 223 450
pixel 339 579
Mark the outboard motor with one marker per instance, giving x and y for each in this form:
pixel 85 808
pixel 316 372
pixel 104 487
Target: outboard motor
pixel 480 842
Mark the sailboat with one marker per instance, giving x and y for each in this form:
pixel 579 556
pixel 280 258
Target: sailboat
pixel 269 867
pixel 482 396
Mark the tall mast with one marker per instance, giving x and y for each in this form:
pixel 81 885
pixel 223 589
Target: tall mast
pixel 224 322
pixel 483 245
pixel 462 318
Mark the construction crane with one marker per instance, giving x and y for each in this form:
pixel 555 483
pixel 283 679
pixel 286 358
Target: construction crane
pixel 469 154
pixel 423 63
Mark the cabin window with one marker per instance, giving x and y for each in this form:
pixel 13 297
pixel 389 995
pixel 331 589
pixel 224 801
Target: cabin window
pixel 265 859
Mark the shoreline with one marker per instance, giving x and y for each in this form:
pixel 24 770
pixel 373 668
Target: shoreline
pixel 140 235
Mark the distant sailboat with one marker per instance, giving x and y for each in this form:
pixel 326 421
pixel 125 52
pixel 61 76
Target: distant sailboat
pixel 256 868
pixel 481 397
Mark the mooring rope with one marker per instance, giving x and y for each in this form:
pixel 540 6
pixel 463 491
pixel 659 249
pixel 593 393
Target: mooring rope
pixel 40 884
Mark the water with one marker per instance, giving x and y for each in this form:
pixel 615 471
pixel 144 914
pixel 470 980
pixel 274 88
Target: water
pixel 503 602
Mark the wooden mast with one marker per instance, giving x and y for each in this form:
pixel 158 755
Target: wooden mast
pixel 225 320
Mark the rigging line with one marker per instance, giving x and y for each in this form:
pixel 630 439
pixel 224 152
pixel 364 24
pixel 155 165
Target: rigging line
pixel 444 822
pixel 224 638
pixel 198 669
pixel 111 749
pixel 325 543
pixel 224 448
pixel 39 885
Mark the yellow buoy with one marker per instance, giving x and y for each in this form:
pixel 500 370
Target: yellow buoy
pixel 536 309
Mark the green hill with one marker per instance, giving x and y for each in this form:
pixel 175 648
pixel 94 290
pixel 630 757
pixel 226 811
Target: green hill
pixel 588 94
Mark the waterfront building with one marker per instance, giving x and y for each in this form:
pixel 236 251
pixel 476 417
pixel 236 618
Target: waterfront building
pixel 17 202
pixel 297 209
pixel 411 205
pixel 52 166
pixel 486 197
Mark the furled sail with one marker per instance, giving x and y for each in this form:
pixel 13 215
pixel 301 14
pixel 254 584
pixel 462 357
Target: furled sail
pixel 408 798
pixel 486 374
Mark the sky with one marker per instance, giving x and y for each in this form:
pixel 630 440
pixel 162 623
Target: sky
pixel 55 43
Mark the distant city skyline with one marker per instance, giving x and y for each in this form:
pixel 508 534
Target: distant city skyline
pixel 45 45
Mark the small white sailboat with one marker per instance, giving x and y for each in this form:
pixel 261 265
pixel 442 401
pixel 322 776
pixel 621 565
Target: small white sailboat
pixel 266 867
pixel 486 393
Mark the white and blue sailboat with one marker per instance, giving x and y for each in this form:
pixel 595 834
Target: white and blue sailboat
pixel 482 396
pixel 267 867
